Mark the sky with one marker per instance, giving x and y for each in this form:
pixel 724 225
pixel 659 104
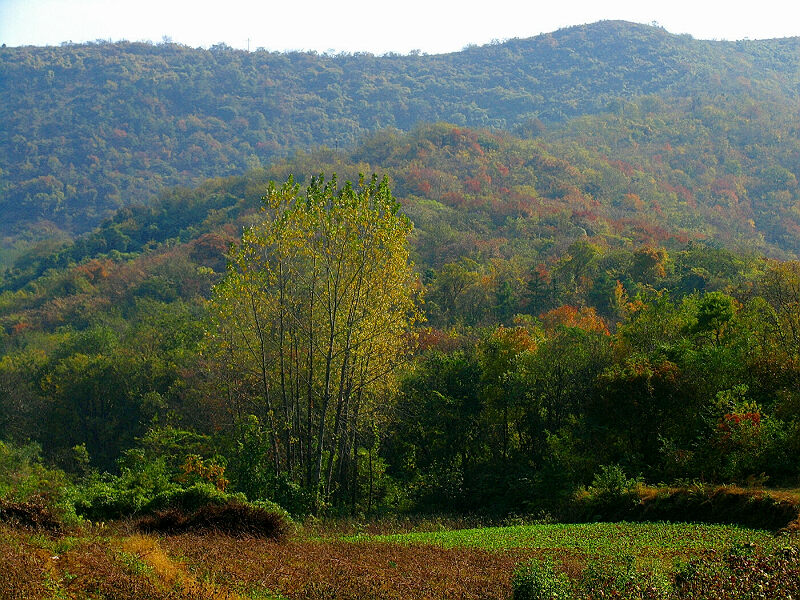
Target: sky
pixel 375 26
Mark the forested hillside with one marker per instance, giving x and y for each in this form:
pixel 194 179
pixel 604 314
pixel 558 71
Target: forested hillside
pixel 565 332
pixel 577 281
pixel 91 128
pixel 653 176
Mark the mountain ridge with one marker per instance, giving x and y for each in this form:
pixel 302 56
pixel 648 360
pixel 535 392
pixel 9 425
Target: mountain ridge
pixel 95 127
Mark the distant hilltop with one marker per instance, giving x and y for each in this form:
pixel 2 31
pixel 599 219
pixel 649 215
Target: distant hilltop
pixel 94 127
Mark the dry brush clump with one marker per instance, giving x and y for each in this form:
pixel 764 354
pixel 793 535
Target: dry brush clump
pixel 233 518
pixel 37 565
pixel 33 513
pixel 699 503
pixel 723 504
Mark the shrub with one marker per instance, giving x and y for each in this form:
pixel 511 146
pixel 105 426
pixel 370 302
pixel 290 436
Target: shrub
pixel 34 513
pixel 111 497
pixel 23 476
pixel 234 518
pixel 611 483
pixel 145 484
pixel 535 580
pixel 274 507
pixel 190 498
pixel 31 493
pixel 611 495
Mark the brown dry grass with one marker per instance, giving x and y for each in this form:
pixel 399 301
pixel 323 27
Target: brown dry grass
pixel 319 570
pixel 24 568
pixel 173 575
pixel 92 567
pixel 90 570
pixel 217 567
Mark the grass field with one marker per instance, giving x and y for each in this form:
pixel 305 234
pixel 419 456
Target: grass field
pixel 465 564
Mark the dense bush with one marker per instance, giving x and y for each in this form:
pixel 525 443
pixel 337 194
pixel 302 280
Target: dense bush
pixel 233 518
pixel 30 492
pixel 612 494
pixel 190 498
pixel 536 580
pixel 107 496
pixel 160 477
pixel 134 493
pixel 23 475
pixel 695 503
pixel 273 507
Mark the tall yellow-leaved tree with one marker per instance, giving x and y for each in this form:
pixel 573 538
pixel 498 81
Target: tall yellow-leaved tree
pixel 313 317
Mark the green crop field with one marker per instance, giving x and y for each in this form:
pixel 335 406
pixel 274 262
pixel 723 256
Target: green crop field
pixel 591 538
pixel 652 545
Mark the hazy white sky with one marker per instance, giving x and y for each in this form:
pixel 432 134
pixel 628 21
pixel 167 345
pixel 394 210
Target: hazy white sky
pixel 374 26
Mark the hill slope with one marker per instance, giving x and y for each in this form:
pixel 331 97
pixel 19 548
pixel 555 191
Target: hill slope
pixel 501 203
pixel 91 128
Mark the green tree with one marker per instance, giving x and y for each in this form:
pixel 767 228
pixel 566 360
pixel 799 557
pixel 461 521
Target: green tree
pixel 714 312
pixel 555 381
pixel 438 439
